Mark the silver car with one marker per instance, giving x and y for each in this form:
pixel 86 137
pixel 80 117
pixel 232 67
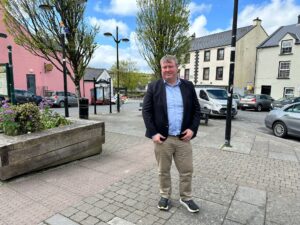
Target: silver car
pixel 285 121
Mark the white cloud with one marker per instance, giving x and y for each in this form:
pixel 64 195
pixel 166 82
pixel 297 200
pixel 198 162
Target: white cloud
pixel 197 26
pixel 109 25
pixel 105 55
pixel 118 7
pixel 273 15
pixel 194 8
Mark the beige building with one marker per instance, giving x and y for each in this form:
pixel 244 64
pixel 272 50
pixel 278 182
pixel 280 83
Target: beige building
pixel 208 61
pixel 278 63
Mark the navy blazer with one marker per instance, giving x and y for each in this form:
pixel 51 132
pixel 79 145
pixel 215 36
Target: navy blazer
pixel 155 112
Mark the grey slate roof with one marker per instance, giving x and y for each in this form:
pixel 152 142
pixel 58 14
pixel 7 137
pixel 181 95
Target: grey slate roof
pixel 91 73
pixel 218 39
pixel 274 38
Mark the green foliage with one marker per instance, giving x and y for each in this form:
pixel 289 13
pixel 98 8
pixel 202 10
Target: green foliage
pixel 40 31
pixel 162 28
pixel 129 78
pixel 28 118
pixel 50 119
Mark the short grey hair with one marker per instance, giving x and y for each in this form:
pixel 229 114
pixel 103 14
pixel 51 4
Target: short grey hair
pixel 169 58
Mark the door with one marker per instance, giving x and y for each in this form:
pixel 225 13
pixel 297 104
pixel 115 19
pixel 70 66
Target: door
pixel 31 83
pixel 266 89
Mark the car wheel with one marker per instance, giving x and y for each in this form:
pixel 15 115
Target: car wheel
pixel 62 104
pixel 242 108
pixel 259 108
pixel 279 129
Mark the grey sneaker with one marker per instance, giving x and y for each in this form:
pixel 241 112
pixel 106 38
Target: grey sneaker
pixel 163 204
pixel 190 205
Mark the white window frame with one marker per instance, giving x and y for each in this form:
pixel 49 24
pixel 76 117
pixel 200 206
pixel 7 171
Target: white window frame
pixel 284 69
pixel 286 47
pixel 288 92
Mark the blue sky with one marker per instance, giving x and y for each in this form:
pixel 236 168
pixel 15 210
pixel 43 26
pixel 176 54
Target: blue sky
pixel 207 16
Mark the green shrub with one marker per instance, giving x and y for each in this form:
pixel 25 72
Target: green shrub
pixel 28 118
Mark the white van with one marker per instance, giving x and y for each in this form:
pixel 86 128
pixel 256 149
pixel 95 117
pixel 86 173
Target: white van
pixel 215 99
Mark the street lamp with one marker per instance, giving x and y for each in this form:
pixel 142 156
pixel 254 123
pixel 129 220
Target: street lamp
pixel 47 7
pixel 231 75
pixel 117 40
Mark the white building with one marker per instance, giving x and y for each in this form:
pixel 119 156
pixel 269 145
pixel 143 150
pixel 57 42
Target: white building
pixel 208 61
pixel 278 63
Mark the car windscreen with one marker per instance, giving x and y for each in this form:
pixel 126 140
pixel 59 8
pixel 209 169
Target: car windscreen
pixel 249 96
pixel 217 94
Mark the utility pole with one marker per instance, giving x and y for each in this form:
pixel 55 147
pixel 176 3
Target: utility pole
pixel 231 75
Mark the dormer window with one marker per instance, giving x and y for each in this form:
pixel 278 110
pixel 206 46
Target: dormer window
pixel 286 46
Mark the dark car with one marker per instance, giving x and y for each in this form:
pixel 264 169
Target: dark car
pixel 285 121
pixel 258 102
pixel 284 101
pixel 23 96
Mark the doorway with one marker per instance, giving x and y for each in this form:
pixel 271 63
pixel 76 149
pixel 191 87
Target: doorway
pixel 31 83
pixel 266 89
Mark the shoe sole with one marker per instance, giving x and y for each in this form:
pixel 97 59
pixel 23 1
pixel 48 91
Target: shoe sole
pixel 163 208
pixel 187 207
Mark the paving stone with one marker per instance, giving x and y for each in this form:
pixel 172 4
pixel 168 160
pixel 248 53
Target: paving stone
pixel 283 209
pixel 246 213
pixel 91 200
pixel 210 213
pixel 58 219
pixel 132 217
pixel 101 204
pixel 111 208
pixel 79 216
pixel 105 216
pixel 95 211
pixel 130 202
pixel 122 213
pixel 283 156
pixel 90 221
pixel 251 195
pixel 110 195
pixel 119 221
pixel 84 207
pixel 69 211
pixel 120 198
pixel 230 222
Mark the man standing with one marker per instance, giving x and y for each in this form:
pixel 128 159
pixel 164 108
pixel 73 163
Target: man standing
pixel 171 113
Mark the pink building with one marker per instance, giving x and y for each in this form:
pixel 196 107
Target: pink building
pixel 34 73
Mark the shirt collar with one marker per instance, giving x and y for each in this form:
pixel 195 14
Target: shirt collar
pixel 177 83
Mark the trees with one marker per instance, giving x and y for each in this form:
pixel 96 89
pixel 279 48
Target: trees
pixel 162 28
pixel 130 78
pixel 40 32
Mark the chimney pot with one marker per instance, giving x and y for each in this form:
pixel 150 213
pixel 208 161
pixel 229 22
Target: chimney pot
pixel 257 22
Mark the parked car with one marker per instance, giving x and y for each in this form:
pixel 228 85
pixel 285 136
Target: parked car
pixel 215 99
pixel 258 102
pixel 284 101
pixel 285 121
pixel 57 98
pixel 237 97
pixel 23 96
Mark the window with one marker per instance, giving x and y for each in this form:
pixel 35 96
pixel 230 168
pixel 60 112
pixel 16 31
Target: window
pixel 187 58
pixel 284 70
pixel 286 46
pixel 220 54
pixel 288 92
pixel 203 95
pixel 187 74
pixel 294 109
pixel 207 56
pixel 206 73
pixel 219 73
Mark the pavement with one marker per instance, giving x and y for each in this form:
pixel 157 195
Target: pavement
pixel 255 182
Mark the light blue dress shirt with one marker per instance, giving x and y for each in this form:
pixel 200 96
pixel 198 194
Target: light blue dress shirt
pixel 175 107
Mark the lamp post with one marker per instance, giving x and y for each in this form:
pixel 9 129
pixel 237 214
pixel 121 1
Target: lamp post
pixel 231 75
pixel 47 7
pixel 117 40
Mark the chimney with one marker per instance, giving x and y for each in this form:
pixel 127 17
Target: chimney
pixel 298 19
pixel 193 36
pixel 257 22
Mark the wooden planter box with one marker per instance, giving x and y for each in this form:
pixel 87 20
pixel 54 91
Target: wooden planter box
pixel 30 152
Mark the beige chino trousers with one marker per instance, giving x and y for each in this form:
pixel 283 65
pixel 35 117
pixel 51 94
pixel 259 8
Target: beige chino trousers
pixel 181 152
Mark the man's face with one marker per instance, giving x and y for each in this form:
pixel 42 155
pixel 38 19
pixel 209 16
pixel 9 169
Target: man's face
pixel 169 71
